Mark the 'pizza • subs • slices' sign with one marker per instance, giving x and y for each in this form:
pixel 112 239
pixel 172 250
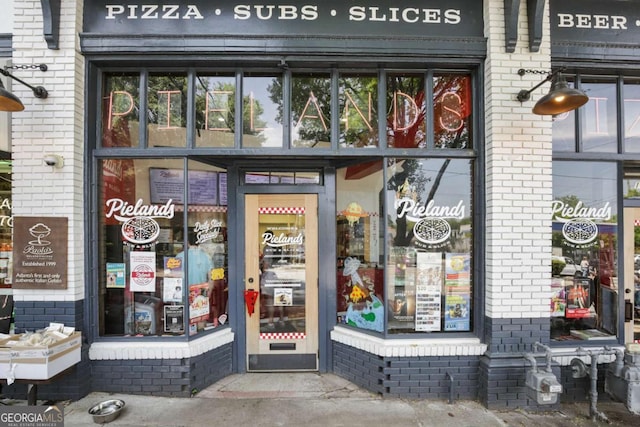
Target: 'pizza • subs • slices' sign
pixel 40 252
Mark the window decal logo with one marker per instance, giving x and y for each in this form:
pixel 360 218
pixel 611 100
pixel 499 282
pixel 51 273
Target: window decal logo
pixel 579 230
pixel 432 230
pixel 138 223
pixel 140 230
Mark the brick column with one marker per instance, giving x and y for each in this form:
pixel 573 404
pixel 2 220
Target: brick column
pixel 52 125
pixel 518 199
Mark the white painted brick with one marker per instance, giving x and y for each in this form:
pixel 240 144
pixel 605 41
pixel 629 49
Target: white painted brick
pixel 52 125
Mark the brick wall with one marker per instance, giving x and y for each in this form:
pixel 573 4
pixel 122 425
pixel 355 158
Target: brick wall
pixel 515 336
pixel 408 377
pixel 33 315
pixel 161 377
pixel 52 125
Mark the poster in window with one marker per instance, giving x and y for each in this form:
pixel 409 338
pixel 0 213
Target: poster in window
pixel 116 275
pixel 172 289
pixel 283 296
pixel 428 291
pixel 198 302
pixel 174 319
pixel 142 276
pixel 578 299
pixel 458 292
pixel 558 297
pixel 456 316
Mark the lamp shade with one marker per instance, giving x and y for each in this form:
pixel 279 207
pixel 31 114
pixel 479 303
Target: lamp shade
pixel 560 99
pixel 8 101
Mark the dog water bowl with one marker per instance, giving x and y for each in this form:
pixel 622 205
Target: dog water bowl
pixel 107 411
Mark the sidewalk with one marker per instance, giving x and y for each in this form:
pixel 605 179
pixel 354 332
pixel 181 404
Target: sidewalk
pixel 311 399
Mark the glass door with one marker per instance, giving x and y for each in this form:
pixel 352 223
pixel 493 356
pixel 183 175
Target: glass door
pixel 281 282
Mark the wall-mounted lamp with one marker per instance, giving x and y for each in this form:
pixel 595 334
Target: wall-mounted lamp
pixel 10 102
pixel 560 99
pixel 53 160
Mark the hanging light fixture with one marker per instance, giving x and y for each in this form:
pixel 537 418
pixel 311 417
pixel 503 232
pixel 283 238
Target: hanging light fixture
pixel 10 102
pixel 560 99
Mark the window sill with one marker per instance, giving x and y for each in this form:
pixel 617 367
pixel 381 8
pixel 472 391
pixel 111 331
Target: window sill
pixel 408 347
pixel 144 349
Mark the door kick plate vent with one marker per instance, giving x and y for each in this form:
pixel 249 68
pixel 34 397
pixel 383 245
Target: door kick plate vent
pixel 282 346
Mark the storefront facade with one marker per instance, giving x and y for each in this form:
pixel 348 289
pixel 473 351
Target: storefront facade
pixel 382 208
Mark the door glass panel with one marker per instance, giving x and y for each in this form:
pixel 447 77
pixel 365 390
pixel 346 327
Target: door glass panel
pixel 584 262
pixel 282 271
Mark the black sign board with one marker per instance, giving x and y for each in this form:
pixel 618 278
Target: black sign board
pixel 385 19
pixel 611 21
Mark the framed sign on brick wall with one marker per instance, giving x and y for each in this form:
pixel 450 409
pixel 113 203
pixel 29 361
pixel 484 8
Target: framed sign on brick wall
pixel 40 252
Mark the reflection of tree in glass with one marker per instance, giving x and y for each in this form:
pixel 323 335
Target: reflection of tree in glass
pixel 358 111
pixel 424 186
pixel 451 104
pixel 222 107
pixel 409 172
pixel 452 99
pixel 310 96
pixel 405 119
pixel 120 105
pixel 167 100
pixel 451 108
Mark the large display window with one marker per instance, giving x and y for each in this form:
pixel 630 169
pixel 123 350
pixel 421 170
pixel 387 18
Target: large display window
pixel 429 285
pixel 404 229
pixel 421 281
pixel 163 238
pixel 360 246
pixel 584 283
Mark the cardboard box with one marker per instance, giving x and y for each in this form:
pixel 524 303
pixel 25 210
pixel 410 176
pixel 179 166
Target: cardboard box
pixel 39 362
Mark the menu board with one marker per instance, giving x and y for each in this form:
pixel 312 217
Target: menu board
pixel 168 184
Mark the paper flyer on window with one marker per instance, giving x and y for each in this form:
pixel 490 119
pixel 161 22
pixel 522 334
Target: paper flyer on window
pixel 558 297
pixel 428 291
pixel 143 271
pixel 458 292
pixel 456 316
pixel 172 289
pixel 116 275
pixel 198 302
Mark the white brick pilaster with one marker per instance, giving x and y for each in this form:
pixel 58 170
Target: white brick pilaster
pixel 52 125
pixel 518 171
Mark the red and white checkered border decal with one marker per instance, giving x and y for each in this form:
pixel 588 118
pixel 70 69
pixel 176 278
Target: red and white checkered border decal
pixel 223 209
pixel 636 222
pixel 274 210
pixel 283 336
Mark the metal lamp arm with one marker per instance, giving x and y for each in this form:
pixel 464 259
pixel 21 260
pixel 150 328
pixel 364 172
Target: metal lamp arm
pixel 524 95
pixel 38 91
